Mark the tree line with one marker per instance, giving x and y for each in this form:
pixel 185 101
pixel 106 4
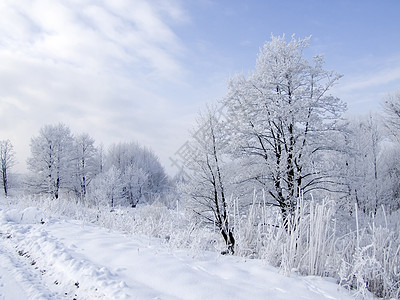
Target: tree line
pixel 61 162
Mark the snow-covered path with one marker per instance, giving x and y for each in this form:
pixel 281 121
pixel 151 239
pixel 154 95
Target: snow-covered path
pixel 69 259
pixel 17 279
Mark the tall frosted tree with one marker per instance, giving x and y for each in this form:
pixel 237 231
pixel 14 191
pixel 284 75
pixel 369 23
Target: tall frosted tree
pixel 52 160
pixel 86 165
pixel 391 157
pixel 7 160
pixel 208 188
pixel 283 118
pixel 364 162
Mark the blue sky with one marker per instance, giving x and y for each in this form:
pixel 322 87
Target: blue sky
pixel 124 70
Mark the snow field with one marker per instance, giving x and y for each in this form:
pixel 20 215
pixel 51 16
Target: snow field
pixel 72 259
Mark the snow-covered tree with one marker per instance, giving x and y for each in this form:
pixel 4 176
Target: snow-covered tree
pixel 391 155
pixel 142 176
pixel 373 162
pixel 391 106
pixel 7 161
pixel 283 118
pixel 100 159
pixel 85 164
pixel 207 186
pixel 52 160
pixel 389 182
pixel 106 188
pixel 365 170
pixel 133 181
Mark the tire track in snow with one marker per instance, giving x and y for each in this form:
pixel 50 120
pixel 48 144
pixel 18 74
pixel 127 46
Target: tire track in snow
pixel 18 280
pixel 68 273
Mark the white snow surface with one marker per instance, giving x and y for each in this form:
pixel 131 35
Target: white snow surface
pixel 48 258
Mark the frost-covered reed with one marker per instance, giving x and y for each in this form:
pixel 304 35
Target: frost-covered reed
pixel 364 256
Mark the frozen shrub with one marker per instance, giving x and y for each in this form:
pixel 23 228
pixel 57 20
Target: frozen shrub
pixel 371 263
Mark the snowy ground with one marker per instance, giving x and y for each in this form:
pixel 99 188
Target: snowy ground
pixel 48 258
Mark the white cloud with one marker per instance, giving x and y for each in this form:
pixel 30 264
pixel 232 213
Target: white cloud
pixel 364 87
pixel 385 76
pixel 92 65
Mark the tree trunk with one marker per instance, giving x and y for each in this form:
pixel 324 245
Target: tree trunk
pixel 57 187
pixel 229 241
pixel 5 183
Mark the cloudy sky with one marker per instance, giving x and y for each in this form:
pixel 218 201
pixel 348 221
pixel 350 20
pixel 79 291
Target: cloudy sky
pixel 136 70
